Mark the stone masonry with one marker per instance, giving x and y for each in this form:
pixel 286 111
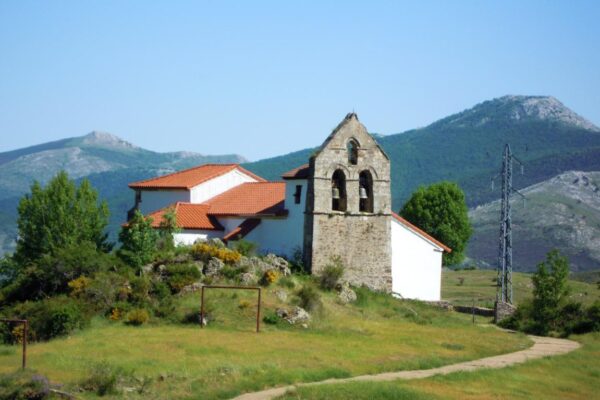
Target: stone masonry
pixel 361 239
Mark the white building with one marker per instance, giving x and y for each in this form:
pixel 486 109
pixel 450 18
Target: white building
pixel 229 202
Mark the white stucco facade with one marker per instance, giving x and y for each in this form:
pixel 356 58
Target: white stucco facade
pixel 152 200
pixel 416 264
pixel 218 185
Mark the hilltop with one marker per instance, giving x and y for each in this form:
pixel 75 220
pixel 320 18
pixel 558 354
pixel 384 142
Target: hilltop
pixel 107 160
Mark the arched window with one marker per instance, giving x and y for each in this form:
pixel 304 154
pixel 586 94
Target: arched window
pixel 352 148
pixel 338 191
pixel 365 181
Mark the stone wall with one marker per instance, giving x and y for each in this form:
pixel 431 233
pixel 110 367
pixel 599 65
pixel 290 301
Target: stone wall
pixel 361 239
pixel 503 310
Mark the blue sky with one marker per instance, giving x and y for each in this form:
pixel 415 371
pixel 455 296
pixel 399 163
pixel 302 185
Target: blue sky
pixel 267 78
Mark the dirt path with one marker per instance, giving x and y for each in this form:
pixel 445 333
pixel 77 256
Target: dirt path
pixel 542 347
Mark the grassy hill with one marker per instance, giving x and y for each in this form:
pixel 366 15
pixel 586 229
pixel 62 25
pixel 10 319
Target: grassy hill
pixel 463 286
pixel 377 333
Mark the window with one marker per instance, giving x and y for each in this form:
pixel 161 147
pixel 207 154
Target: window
pixel 138 197
pixel 298 194
pixel 338 191
pixel 352 148
pixel 365 181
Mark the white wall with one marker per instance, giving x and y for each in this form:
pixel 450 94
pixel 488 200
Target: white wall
pixel 189 236
pixel 218 185
pixel 416 265
pixel 153 200
pixel 281 235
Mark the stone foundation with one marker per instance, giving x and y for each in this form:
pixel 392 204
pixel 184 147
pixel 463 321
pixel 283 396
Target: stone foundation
pixel 503 310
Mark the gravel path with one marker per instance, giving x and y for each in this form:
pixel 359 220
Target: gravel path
pixel 542 347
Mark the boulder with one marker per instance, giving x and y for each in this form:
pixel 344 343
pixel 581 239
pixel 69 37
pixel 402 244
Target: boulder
pixel 216 242
pixel 194 287
pixel 281 295
pixel 248 278
pixel 346 294
pixel 278 263
pixel 213 267
pixel 297 315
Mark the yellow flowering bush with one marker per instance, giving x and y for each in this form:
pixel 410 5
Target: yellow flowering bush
pixel 206 251
pixel 270 276
pixel 79 285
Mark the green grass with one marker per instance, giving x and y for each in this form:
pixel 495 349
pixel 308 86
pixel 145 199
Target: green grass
pixel 481 286
pixel 376 334
pixel 571 376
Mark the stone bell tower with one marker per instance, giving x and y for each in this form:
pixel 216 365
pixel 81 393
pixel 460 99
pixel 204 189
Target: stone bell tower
pixel 348 207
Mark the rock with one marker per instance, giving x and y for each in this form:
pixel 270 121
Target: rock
pixel 200 265
pixel 254 265
pixel 346 294
pixel 305 326
pixel 181 258
pixel 213 267
pixel 148 268
pixel 248 278
pixel 281 295
pixel 294 316
pixel 194 287
pixel 278 263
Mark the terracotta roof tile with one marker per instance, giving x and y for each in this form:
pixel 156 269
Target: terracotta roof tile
pixel 253 198
pixel 242 230
pixel 191 177
pixel 421 232
pixel 189 216
pixel 297 173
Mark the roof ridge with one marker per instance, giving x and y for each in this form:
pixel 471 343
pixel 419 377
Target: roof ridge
pixel 188 170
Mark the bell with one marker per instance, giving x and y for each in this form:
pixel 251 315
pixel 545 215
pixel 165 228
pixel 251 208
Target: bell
pixel 335 193
pixel 363 193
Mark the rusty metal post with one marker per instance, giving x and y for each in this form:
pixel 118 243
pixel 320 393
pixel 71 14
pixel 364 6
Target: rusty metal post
pixel 25 333
pixel 202 309
pixel 258 311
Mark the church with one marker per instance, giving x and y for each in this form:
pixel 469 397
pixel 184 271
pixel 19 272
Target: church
pixel 336 205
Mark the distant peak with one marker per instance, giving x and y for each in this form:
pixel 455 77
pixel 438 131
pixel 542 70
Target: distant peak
pixel 106 139
pixel 517 108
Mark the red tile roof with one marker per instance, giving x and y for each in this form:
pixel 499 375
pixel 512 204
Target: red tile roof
pixel 189 216
pixel 191 177
pixel 421 232
pixel 249 199
pixel 242 230
pixel 297 173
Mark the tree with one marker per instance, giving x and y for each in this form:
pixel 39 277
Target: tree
pixel 168 227
pixel 441 211
pixel 57 216
pixel 138 240
pixel 550 291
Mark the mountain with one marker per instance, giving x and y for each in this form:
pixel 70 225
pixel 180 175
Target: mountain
pixel 467 148
pixel 562 212
pixel 107 160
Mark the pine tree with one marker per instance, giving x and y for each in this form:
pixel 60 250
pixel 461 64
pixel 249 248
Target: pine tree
pixel 138 240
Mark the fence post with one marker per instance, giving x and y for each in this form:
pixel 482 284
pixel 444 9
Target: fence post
pixel 202 309
pixel 25 333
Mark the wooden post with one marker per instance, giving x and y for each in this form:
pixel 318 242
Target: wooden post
pixel 202 309
pixel 473 311
pixel 25 332
pixel 258 312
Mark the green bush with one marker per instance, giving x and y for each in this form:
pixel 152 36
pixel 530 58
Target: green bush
pixel 181 275
pixel 50 318
pixel 137 317
pixel 309 297
pixel 331 274
pixel 271 318
pixel 24 385
pixel 102 378
pixel 140 290
pixel 244 247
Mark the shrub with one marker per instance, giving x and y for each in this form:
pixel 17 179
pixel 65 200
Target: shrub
pixel 287 282
pixel 181 275
pixel 51 318
pixel 137 317
pixel 331 274
pixel 102 379
pixel 244 247
pixel 244 304
pixel 269 277
pixel 104 290
pixel 79 285
pixel 140 289
pixel 271 318
pixel 24 385
pixel 205 251
pixel 309 297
